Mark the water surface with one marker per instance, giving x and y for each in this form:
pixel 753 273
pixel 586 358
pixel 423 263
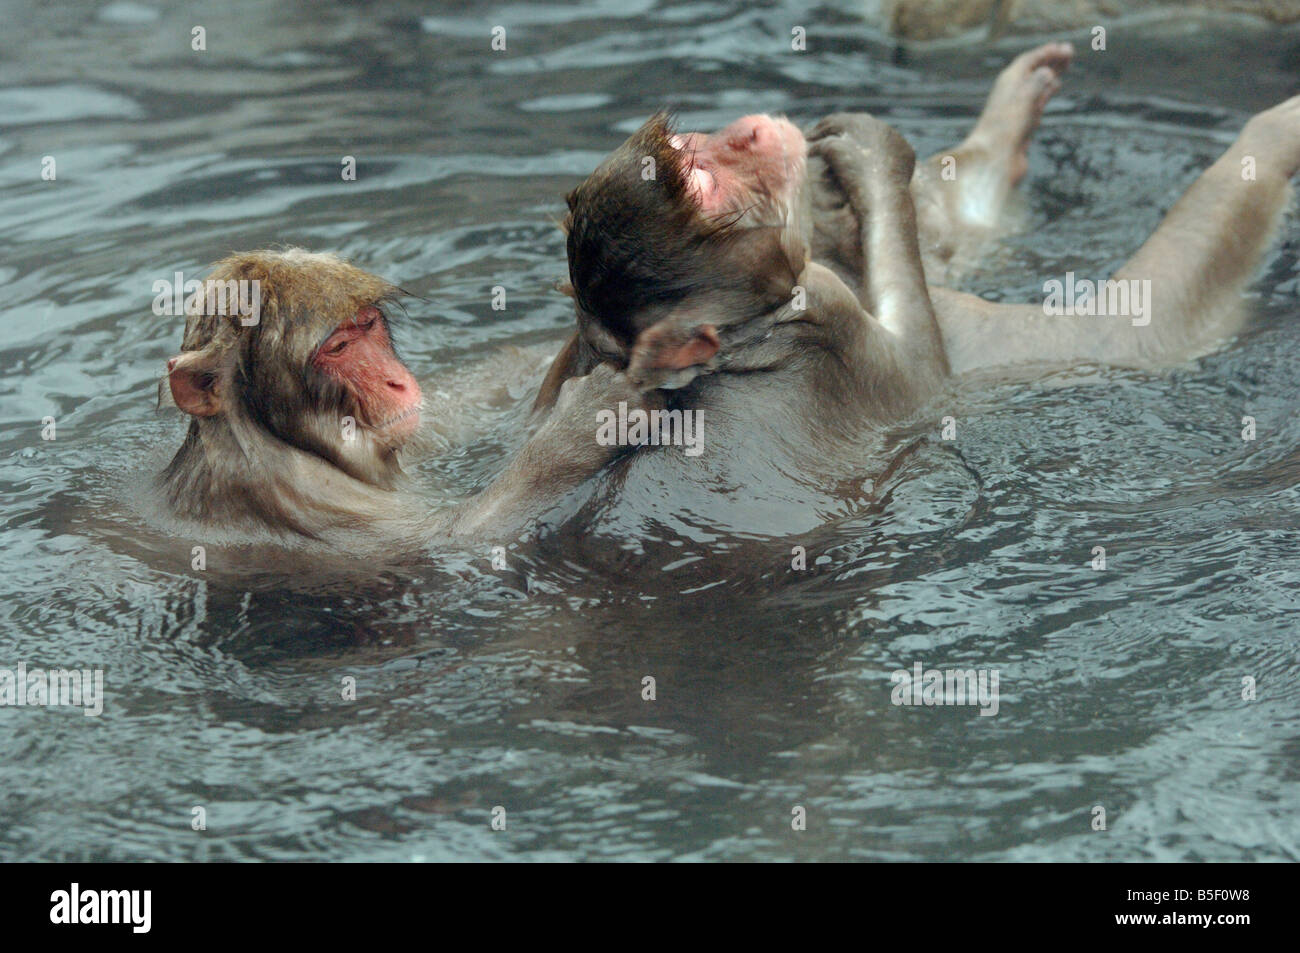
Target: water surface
pixel 522 688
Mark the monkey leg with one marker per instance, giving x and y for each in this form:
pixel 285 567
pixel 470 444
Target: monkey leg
pixel 960 194
pixel 1211 242
pixel 1188 276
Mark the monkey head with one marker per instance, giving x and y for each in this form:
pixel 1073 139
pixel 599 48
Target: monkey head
pixel 313 366
pixel 679 241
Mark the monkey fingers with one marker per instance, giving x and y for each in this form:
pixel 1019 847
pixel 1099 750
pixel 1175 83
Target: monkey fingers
pixel 573 444
pixel 884 150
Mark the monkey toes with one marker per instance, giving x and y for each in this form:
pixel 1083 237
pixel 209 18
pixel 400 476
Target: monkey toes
pixel 1029 81
pixel 1273 136
pixel 1016 105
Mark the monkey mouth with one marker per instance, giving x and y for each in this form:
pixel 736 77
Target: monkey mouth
pixel 401 424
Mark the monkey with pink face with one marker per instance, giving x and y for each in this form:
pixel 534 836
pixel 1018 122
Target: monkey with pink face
pixel 299 417
pixel 789 285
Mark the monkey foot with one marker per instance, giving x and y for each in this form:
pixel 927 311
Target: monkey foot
pixel 1272 138
pixel 1016 105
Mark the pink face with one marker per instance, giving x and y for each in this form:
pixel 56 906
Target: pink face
pixel 361 355
pixel 755 156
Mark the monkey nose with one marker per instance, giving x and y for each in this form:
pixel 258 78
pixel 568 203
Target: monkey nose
pixel 171 363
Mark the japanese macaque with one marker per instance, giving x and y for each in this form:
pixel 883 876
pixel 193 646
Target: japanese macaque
pixel 780 281
pixel 300 407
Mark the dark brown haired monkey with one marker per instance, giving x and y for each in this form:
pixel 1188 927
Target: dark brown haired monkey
pixel 781 281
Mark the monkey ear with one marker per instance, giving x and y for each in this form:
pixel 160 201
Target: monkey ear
pixel 672 354
pixel 194 380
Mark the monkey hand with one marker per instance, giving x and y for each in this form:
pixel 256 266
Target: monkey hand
pixel 571 446
pixel 586 415
pixel 864 155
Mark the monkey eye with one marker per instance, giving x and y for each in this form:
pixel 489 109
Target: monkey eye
pixel 338 342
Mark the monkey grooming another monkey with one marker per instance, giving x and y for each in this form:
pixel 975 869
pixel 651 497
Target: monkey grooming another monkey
pixel 778 284
pixel 299 414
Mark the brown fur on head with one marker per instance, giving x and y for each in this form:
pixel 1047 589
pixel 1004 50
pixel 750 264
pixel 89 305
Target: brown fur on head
pixel 260 386
pixel 656 273
pixel 299 288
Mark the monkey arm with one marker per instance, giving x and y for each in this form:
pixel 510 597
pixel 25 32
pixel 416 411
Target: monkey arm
pixel 861 362
pixel 575 359
pixel 562 368
pixel 563 453
pixel 873 165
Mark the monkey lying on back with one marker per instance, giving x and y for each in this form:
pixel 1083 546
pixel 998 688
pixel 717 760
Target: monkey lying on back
pixel 299 413
pixel 779 283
